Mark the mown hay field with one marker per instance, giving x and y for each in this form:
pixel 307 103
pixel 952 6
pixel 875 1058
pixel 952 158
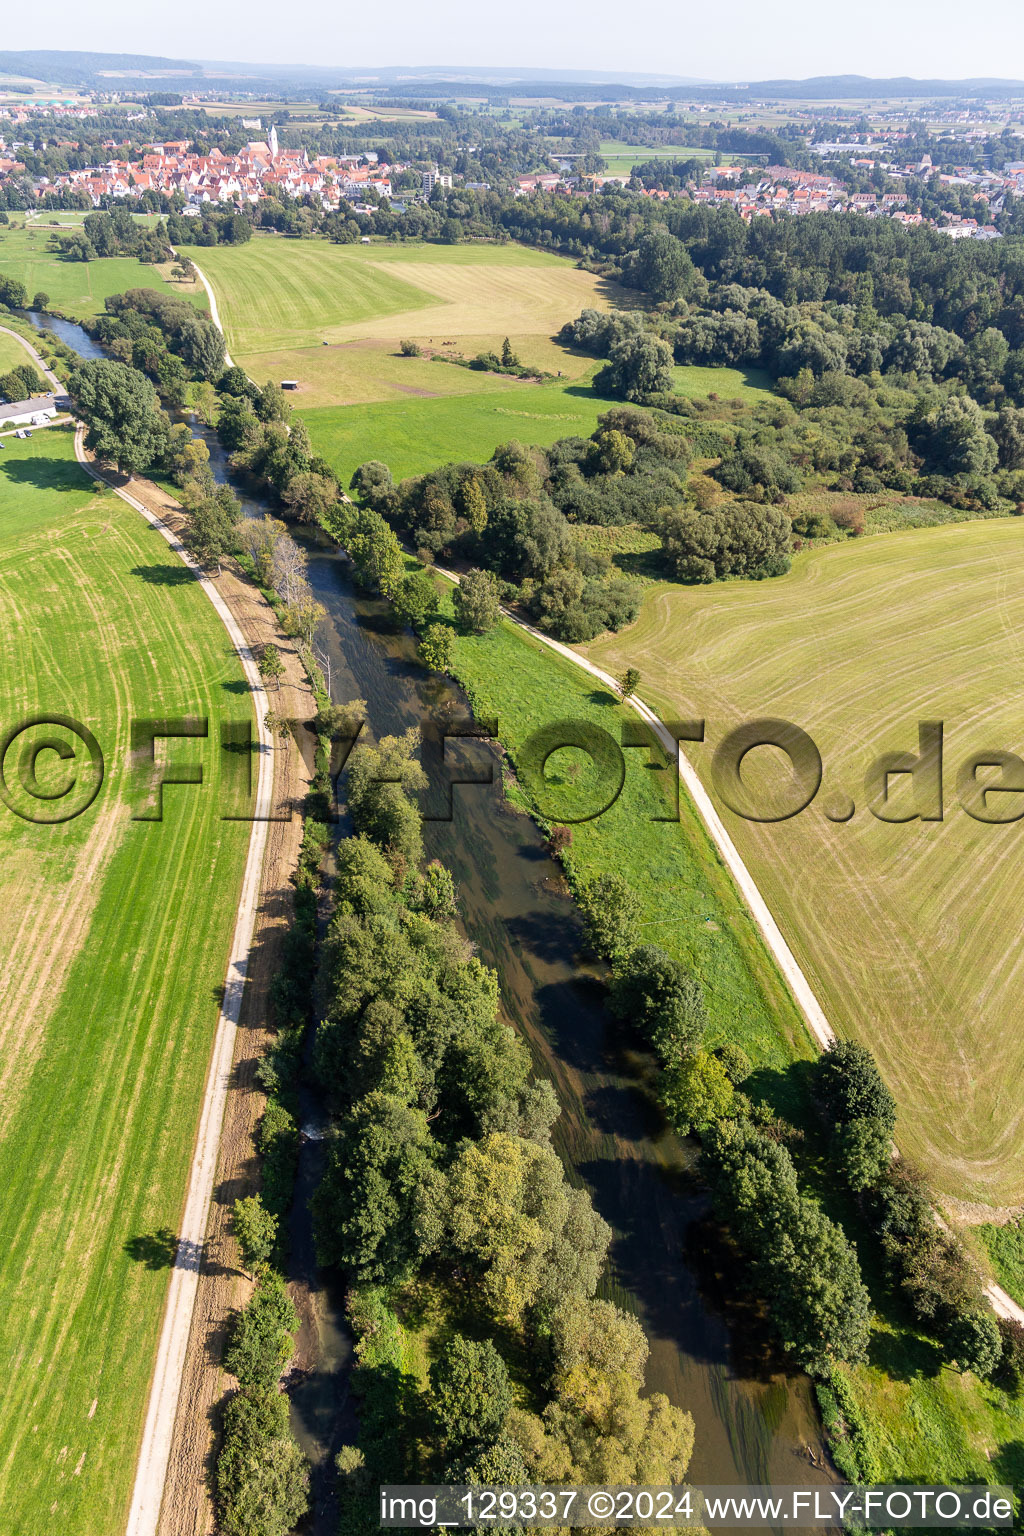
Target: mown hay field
pixel 114 936
pixel 278 295
pixel 908 932
pixel 332 317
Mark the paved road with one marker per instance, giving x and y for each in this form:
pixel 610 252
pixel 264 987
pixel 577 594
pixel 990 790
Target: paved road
pixel 1002 1303
pixel 51 378
pixel 151 1472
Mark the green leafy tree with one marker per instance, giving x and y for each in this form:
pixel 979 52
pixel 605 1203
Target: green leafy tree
pixel 262 1477
pixel 802 1263
pixel 638 366
pixel 303 616
pixel 470 1393
pixel 372 482
pixel 477 603
pixel 437 647
pixel 848 1085
pixel 271 666
pixel 863 1149
pixel 654 991
pixel 629 682
pixel 661 266
pixel 600 1427
pixel 255 1230
pixel 126 425
pixel 527 1238
pixel 13 294
pixel 416 601
pixel 261 1334
pixel 956 441
pixel 213 530
pixel 611 917
pixel 340 721
pixel 310 496
pixel 375 1209
pixel 381 784
pixel 376 554
pixel 974 1342
pixel 697 1093
pixel 613 452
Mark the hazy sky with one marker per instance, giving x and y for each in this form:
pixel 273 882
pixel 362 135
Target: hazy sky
pixel 741 39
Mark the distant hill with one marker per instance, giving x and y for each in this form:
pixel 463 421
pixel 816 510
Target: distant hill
pixel 825 87
pixel 64 67
pixel 144 71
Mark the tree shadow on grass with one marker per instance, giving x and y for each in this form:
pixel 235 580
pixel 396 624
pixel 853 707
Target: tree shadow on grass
pixel 789 1090
pixel 164 575
pixel 1008 1463
pixel 905 1356
pixel 44 473
pixel 640 562
pixel 155 1250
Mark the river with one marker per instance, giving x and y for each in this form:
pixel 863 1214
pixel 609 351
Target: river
pixel 754 1423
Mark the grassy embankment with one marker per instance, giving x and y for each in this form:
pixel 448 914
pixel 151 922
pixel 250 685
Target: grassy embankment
pixel 11 354
pixel 116 934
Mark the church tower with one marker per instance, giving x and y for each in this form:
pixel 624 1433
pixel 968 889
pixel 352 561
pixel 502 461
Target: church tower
pixel 272 142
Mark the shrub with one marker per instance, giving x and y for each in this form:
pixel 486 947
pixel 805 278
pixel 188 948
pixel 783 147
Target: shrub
pixel 262 1477
pixel 848 515
pixel 974 1342
pixel 260 1341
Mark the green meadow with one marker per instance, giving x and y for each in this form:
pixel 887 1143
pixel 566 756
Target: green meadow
pixel 12 354
pixel 414 436
pixel 76 288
